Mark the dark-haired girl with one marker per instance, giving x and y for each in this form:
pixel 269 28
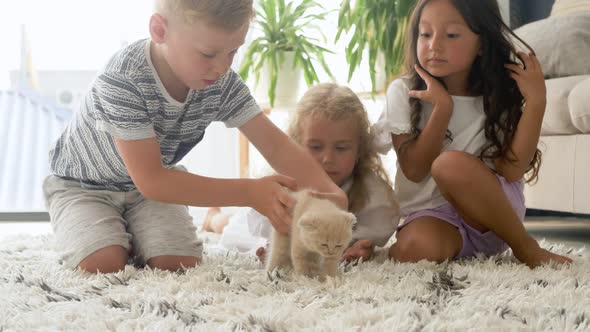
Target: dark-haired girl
pixel 465 123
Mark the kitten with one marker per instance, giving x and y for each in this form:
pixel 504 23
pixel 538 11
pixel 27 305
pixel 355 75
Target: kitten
pixel 320 232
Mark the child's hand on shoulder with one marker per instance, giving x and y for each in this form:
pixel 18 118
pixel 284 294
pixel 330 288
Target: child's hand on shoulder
pixel 270 199
pixel 529 79
pixel 435 92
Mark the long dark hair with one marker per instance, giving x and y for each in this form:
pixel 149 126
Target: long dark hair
pixel 502 100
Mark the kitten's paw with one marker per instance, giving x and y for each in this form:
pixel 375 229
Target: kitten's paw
pixel 275 274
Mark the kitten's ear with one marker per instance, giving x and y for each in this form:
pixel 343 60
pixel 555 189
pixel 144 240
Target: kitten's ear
pixel 351 218
pixel 308 221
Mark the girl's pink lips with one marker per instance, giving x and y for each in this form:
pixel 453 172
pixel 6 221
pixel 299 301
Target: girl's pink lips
pixel 437 60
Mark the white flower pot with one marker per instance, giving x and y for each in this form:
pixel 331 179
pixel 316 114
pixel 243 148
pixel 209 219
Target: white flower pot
pixel 380 75
pixel 288 90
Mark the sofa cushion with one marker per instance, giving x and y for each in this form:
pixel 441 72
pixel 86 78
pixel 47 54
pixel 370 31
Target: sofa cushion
pixel 561 43
pixel 555 186
pixel 569 7
pixel 579 105
pixel 558 119
pixel 581 174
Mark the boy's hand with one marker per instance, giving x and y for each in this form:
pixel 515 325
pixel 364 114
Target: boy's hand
pixel 435 92
pixel 340 200
pixel 529 79
pixel 361 248
pixel 272 200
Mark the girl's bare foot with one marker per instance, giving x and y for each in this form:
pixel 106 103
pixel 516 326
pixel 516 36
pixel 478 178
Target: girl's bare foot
pixel 534 255
pixel 211 212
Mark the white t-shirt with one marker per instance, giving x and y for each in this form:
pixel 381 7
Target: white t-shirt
pixel 467 131
pixel 376 221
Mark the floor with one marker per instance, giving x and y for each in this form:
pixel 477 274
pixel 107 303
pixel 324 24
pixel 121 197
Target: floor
pixel 571 231
pixel 10 228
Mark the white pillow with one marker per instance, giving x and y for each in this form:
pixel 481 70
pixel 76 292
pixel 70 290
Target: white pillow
pixel 578 102
pixel 569 7
pixel 558 117
pixel 562 44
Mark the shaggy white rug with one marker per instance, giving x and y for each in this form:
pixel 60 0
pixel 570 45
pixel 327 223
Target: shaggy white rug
pixel 233 293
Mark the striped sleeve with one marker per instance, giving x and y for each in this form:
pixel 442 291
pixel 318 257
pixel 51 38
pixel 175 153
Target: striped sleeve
pixel 237 104
pixel 119 108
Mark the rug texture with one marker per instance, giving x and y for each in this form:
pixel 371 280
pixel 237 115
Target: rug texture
pixel 232 292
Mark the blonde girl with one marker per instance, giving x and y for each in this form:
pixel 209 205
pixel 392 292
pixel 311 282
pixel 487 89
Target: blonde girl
pixel 331 123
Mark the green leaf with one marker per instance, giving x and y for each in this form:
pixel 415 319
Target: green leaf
pixel 377 26
pixel 285 26
pixel 404 8
pixel 274 68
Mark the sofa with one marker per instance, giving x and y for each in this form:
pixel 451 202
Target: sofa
pixel 562 44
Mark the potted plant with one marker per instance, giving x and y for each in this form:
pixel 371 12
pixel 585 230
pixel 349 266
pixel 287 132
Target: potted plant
pixel 285 45
pixel 379 27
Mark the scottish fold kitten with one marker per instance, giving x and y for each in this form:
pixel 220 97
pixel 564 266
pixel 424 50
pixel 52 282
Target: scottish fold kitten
pixel 320 232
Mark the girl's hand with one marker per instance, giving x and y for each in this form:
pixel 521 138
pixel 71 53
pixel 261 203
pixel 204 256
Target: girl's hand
pixel 360 249
pixel 435 92
pixel 272 200
pixel 529 79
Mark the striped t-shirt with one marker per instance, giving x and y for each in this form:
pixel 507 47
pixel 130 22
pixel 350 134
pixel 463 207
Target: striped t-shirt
pixel 128 101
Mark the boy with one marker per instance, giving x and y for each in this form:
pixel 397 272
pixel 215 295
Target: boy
pixel 115 183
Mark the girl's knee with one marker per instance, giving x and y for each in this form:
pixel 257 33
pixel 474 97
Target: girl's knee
pixel 173 263
pixel 106 260
pixel 450 167
pixel 406 250
pixel 413 247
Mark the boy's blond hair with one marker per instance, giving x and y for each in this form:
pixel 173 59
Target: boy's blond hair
pixel 226 14
pixel 334 102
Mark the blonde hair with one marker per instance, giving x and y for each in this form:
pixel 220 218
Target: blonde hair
pixel 334 102
pixel 226 14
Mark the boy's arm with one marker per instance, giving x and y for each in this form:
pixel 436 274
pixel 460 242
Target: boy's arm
pixel 143 162
pixel 287 157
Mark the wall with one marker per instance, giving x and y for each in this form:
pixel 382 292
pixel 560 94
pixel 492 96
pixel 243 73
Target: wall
pixel 526 11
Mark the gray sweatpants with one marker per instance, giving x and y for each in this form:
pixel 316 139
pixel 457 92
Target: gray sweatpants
pixel 85 221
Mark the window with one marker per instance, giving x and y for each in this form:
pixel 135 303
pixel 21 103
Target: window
pixel 56 48
pixel 52 52
pixel 360 83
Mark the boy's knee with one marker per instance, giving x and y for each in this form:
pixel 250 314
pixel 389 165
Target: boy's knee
pixel 106 260
pixel 173 263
